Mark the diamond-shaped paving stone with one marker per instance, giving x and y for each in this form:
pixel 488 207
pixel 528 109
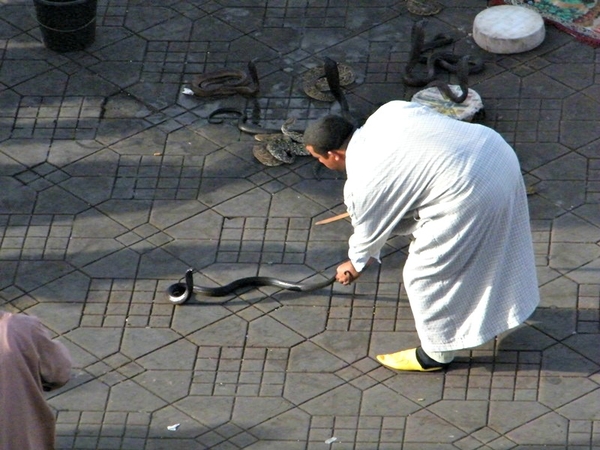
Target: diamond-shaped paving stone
pixel 130 396
pixel 550 429
pixel 59 317
pixel 424 426
pixel 121 264
pixel 559 293
pixel 211 411
pixel 170 385
pixel 562 360
pixel 197 256
pixel 82 252
pixel 156 95
pixel 177 28
pixel 88 83
pixel 585 344
pixel 343 400
pixel 56 200
pixel 90 396
pixel 524 338
pixel 568 167
pixel 141 341
pixel 586 407
pixel 103 163
pixel 37 151
pixel 306 320
pixel 226 332
pixel 250 411
pixel 158 263
pixel 169 212
pixel 187 143
pixel 146 143
pixel 206 225
pixel 349 346
pixel 565 194
pixel 301 387
pixel 416 387
pixel 380 400
pixel 98 341
pixel 555 391
pixel 214 191
pixel 569 256
pixel 539 85
pixel 570 228
pixel 92 190
pixel 16 198
pixel 576 134
pixel 468 416
pixel 179 355
pixel 538 154
pixel 50 83
pixel 190 318
pixel 586 274
pixel 94 224
pixel 267 332
pixel 111 131
pixel 254 203
pixel 558 324
pixel 8 166
pixel 32 274
pixel 308 357
pixel 67 289
pixel 168 416
pixel 117 73
pixel 506 415
pixel 292 425
pixel 303 206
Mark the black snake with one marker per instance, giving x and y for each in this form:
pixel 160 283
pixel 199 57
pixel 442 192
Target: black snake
pixel 180 293
pixel 462 66
pixel 281 146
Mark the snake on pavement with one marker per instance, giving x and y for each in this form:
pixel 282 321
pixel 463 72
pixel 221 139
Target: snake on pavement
pixel 180 292
pixel 227 82
pixel 462 66
pixel 281 146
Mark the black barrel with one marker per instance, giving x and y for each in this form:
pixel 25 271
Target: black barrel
pixel 67 25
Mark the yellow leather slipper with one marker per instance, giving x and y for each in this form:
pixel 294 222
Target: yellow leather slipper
pixel 405 360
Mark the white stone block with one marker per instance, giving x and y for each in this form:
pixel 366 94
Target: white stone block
pixel 508 29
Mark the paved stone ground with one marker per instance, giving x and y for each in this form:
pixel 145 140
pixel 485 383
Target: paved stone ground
pixel 113 183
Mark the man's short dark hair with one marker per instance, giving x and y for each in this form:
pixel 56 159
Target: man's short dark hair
pixel 328 133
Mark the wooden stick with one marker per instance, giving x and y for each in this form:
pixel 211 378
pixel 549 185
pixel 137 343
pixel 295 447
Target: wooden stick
pixel 333 219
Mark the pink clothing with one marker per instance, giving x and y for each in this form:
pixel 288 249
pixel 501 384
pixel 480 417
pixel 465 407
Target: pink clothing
pixel 30 363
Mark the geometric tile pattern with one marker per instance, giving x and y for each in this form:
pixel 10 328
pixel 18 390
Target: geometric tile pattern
pixel 113 183
pixel 34 237
pixel 57 117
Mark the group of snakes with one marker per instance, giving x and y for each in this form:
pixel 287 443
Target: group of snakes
pixel 281 146
pixel 326 83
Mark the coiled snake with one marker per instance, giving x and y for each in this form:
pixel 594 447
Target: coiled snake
pixel 227 82
pixel 461 65
pixel 180 293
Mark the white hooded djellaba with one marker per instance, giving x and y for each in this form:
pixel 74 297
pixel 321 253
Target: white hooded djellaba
pixel 470 274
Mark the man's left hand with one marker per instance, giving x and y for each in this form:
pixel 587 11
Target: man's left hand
pixel 346 273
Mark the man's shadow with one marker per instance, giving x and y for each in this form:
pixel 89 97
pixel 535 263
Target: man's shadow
pixel 552 342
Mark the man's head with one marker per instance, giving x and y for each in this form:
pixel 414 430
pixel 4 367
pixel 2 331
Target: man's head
pixel 326 139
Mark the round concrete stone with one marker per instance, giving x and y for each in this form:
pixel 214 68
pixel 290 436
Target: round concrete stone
pixel 508 29
pixel 464 111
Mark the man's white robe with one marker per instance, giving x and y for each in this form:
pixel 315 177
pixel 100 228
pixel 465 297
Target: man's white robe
pixel 470 273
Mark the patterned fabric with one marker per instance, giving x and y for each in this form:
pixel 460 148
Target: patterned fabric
pixel 470 273
pixel 578 17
